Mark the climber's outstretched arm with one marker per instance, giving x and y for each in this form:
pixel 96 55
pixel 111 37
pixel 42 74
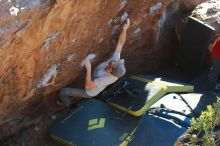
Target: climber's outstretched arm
pixel 122 37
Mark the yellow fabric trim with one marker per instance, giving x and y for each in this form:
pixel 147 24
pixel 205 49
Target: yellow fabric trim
pixel 129 138
pixel 177 88
pixel 141 111
pixel 165 87
pixel 134 113
pixel 62 141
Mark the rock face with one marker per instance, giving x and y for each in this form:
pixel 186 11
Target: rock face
pixel 43 42
pixel 209 13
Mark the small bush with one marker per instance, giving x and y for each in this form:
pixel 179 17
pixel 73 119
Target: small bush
pixel 205 130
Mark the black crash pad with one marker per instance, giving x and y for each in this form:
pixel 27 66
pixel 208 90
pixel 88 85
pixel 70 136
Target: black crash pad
pixel 194 46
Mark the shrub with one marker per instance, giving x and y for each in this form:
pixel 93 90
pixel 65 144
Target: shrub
pixel 205 130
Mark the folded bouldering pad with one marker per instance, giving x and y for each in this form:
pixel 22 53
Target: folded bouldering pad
pixel 141 92
pixel 193 48
pixel 94 123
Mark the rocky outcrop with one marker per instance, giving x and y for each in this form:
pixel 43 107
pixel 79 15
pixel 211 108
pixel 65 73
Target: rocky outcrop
pixel 42 44
pixel 209 13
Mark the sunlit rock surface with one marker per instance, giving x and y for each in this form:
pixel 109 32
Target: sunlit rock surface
pixel 209 13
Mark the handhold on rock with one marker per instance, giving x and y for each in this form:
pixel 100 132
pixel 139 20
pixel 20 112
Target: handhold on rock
pixel 90 57
pixel 124 17
pixel 51 74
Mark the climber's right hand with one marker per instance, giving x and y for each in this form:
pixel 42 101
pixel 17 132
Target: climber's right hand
pixel 126 25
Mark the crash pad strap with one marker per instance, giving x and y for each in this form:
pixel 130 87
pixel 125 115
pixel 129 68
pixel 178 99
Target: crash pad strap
pixel 165 87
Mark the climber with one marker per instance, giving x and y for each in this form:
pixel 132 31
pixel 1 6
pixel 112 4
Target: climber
pixel 104 74
pixel 215 69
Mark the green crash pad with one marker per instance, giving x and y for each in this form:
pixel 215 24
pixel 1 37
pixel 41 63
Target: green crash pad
pixel 94 123
pixel 143 91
